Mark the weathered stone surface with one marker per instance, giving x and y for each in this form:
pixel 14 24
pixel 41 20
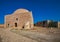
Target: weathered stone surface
pixel 1 25
pixel 58 24
pixel 19 19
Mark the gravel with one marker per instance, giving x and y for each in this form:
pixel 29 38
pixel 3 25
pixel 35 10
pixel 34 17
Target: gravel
pixel 8 36
pixel 40 37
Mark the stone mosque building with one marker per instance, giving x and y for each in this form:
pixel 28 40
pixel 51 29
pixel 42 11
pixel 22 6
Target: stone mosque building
pixel 21 19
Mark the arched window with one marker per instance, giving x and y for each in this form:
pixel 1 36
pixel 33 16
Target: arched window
pixel 17 19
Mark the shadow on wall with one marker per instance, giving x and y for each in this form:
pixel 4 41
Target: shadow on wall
pixel 0 39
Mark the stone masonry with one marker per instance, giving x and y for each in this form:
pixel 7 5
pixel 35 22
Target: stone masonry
pixel 21 19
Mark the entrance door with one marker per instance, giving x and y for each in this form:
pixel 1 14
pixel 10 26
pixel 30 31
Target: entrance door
pixel 8 25
pixel 15 24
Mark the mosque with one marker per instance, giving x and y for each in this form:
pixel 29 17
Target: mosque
pixel 21 19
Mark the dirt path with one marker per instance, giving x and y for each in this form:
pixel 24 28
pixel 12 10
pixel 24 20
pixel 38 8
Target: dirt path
pixel 8 36
pixel 40 37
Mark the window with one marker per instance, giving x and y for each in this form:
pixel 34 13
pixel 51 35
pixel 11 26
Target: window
pixel 17 19
pixel 23 27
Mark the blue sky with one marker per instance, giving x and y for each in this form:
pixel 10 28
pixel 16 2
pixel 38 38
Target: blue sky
pixel 42 9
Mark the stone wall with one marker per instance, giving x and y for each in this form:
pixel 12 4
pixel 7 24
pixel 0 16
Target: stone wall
pixel 58 24
pixel 19 19
pixel 1 25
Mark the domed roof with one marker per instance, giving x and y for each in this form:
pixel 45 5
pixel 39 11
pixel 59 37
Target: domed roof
pixel 21 11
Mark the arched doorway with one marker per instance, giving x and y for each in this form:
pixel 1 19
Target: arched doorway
pixel 8 25
pixel 15 24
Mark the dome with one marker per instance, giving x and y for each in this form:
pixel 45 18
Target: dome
pixel 21 11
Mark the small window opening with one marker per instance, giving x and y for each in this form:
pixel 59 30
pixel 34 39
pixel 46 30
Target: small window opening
pixel 23 27
pixel 17 19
